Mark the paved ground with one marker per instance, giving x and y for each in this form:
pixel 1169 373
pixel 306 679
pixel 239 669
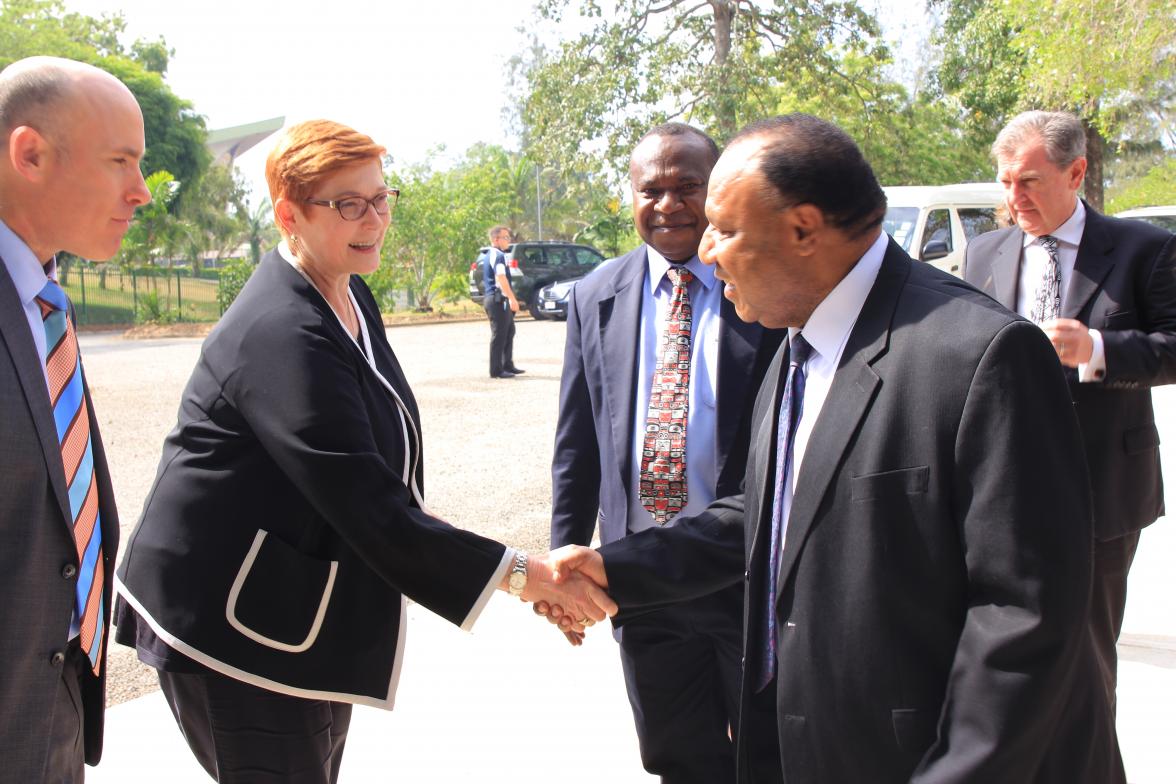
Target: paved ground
pixel 480 707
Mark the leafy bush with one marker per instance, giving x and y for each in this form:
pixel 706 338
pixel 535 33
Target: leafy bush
pixel 153 310
pixel 233 276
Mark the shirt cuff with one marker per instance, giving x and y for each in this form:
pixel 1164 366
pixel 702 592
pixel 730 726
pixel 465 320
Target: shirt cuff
pixel 1096 368
pixel 488 591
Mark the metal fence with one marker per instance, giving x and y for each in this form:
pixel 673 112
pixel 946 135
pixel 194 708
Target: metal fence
pixel 108 295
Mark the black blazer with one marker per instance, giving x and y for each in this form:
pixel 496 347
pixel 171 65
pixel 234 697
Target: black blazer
pixel 1124 285
pixel 933 591
pixel 280 538
pixel 36 544
pixel 594 437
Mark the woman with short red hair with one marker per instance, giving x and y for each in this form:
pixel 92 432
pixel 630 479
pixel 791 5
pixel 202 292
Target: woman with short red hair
pixel 266 579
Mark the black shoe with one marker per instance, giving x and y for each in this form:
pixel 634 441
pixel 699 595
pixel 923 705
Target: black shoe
pixel 516 371
pixel 504 374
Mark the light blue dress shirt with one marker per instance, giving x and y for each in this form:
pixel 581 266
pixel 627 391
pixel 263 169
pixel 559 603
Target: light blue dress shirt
pixel 702 471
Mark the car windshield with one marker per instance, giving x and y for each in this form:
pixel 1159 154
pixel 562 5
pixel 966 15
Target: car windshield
pixel 900 224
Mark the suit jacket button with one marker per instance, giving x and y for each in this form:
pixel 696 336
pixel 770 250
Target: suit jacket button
pixel 57 659
pixel 69 571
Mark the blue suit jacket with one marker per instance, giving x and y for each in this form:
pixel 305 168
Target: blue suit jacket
pixel 594 437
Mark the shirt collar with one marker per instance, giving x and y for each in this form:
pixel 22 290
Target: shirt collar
pixel 658 264
pixel 830 323
pixel 25 269
pixel 1069 232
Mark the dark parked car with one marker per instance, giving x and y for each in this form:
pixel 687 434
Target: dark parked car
pixel 553 298
pixel 533 265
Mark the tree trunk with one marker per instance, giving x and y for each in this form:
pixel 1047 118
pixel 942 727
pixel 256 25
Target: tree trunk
pixel 1095 150
pixel 724 11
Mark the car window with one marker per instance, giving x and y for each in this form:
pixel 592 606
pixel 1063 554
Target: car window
pixel 586 258
pixel 900 224
pixel 938 228
pixel 1163 221
pixel 559 257
pixel 978 220
pixel 533 256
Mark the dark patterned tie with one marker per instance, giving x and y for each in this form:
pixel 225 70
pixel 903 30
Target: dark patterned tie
pixel 1047 305
pixel 662 484
pixel 791 406
pixel 63 366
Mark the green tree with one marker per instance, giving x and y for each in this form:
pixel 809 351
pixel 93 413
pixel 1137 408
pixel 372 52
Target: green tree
pixel 908 141
pixel 175 134
pixel 260 230
pixel 714 63
pixel 155 233
pixel 213 213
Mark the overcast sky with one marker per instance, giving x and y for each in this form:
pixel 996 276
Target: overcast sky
pixel 412 75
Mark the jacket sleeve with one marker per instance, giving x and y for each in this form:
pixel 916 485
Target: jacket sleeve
pixel 1023 514
pixel 661 566
pixel 298 389
pixel 1144 354
pixel 575 466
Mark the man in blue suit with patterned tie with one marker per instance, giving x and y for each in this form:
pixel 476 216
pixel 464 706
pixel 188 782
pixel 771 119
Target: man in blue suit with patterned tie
pixel 658 379
pixel 69 181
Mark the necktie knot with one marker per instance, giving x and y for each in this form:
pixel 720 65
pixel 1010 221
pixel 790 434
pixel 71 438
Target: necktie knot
pixel 53 296
pixel 679 276
pixel 1049 242
pixel 799 350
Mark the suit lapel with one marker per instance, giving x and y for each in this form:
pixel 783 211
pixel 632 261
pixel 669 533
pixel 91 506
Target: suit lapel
pixel 1091 267
pixel 764 446
pixel 738 345
pixel 850 396
pixel 620 319
pixel 14 332
pixel 1006 270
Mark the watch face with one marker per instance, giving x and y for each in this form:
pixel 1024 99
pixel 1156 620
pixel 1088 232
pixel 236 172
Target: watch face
pixel 518 580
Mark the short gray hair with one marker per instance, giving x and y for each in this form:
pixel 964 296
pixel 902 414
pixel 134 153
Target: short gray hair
pixel 500 229
pixel 1061 132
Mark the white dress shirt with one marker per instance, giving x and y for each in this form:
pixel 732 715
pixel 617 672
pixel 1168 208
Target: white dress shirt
pixel 702 471
pixel 827 331
pixel 1033 260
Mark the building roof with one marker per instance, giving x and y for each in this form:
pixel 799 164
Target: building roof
pixel 227 144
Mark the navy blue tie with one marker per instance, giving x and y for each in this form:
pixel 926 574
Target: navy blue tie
pixel 791 405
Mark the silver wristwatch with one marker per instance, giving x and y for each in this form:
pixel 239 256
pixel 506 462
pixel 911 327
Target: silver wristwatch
pixel 518 574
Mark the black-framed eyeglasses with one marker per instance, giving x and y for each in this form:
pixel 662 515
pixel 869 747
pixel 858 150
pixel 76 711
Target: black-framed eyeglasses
pixel 355 207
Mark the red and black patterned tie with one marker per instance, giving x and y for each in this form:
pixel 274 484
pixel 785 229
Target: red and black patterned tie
pixel 663 454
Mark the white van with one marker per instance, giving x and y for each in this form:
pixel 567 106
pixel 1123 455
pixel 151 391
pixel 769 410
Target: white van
pixel 933 223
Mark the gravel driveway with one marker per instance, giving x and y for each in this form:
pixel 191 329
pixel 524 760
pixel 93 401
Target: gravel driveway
pixel 136 386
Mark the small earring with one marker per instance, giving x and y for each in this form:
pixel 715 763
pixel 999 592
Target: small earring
pixel 293 240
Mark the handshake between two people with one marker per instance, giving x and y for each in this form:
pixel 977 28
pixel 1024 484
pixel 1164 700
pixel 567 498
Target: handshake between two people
pixel 568 586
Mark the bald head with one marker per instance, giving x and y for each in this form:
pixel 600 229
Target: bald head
pixel 72 140
pixel 41 92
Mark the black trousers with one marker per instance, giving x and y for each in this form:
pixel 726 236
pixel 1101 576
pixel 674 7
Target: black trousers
pixel 1112 562
pixel 502 332
pixel 244 734
pixel 682 670
pixel 65 762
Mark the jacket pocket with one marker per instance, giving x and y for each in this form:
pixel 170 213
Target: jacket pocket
pixel 280 595
pixel 1141 439
pixel 890 484
pixel 914 729
pixel 1122 319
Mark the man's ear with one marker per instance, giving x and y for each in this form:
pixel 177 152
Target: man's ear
pixel 1077 173
pixel 29 153
pixel 806 221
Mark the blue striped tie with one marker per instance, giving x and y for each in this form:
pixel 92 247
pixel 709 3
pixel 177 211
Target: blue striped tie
pixel 63 366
